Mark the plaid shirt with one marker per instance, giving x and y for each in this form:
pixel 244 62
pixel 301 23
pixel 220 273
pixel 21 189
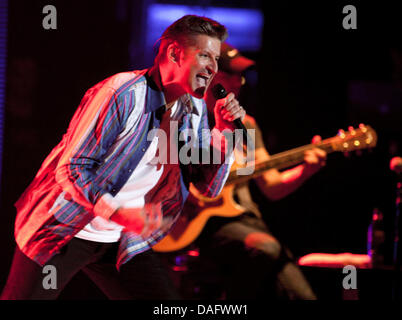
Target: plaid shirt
pixel 104 143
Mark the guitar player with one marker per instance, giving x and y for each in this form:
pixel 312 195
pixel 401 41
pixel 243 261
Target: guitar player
pixel 252 257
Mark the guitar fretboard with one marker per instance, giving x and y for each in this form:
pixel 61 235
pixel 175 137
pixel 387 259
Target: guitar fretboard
pixel 279 161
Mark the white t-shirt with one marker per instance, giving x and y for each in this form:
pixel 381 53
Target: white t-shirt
pixel 132 195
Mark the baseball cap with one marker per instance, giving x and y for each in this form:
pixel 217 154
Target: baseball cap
pixel 232 60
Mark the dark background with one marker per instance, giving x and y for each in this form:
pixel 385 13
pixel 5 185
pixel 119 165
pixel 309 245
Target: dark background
pixel 310 72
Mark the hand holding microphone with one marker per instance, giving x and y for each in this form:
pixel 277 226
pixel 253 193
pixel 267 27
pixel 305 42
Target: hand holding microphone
pixel 228 112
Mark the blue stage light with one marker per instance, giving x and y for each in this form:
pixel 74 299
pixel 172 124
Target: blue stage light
pixel 244 25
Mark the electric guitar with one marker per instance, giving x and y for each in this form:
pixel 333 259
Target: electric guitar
pixel 198 208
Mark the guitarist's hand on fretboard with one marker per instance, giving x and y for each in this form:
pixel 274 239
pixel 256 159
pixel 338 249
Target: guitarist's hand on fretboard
pixel 314 159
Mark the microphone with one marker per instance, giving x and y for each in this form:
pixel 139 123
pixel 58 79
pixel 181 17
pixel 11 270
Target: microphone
pixel 396 165
pixel 219 92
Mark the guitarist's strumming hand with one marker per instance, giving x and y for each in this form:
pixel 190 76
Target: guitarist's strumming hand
pixel 314 159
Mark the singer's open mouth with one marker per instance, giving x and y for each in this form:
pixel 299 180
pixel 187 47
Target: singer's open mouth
pixel 202 79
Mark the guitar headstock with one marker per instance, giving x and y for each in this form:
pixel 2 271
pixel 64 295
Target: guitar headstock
pixel 355 139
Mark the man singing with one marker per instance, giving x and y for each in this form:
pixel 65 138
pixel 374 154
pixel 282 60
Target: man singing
pixel 99 201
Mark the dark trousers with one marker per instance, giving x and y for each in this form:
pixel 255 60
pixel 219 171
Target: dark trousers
pixel 251 260
pixel 143 277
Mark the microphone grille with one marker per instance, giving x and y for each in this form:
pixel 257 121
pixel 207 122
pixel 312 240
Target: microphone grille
pixel 219 91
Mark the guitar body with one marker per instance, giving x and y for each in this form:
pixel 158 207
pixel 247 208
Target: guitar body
pixel 196 212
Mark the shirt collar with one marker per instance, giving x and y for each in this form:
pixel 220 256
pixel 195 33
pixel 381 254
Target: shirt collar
pixel 156 98
pixel 188 104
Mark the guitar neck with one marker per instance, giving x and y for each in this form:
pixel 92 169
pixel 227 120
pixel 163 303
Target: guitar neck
pixel 280 161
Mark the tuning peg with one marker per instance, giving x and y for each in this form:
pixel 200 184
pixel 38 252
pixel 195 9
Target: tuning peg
pixel 341 133
pixel 352 130
pixel 362 127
